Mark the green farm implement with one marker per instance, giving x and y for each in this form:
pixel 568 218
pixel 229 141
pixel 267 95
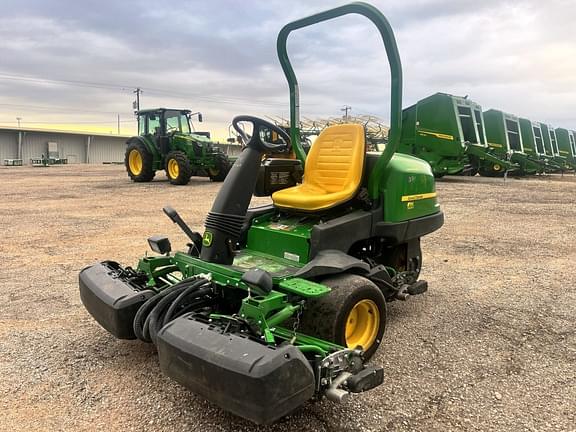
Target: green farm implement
pixel 566 140
pixel 166 142
pixel 532 143
pixel 505 140
pixel 448 132
pixel 552 147
pixel 276 305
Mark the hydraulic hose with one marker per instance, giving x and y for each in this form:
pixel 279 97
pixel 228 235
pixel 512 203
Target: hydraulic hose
pixel 169 304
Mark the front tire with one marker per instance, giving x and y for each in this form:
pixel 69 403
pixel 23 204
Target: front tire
pixel 352 314
pixel 178 168
pixel 139 162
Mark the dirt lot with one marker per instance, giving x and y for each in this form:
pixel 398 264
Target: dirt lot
pixel 491 346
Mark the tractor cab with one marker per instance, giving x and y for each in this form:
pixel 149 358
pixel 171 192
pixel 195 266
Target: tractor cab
pixel 161 122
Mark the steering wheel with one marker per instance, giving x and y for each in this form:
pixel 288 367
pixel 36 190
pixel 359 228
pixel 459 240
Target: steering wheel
pixel 255 141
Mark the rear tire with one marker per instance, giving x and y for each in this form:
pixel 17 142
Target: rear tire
pixel 223 166
pixel 178 168
pixel 139 162
pixel 352 314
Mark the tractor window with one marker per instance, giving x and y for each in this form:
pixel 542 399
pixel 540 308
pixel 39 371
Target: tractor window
pixel 468 128
pixel 142 125
pixel 479 126
pixel 172 124
pixel 553 141
pixel 513 135
pixel 153 124
pixel 572 143
pixel 177 122
pixel 538 139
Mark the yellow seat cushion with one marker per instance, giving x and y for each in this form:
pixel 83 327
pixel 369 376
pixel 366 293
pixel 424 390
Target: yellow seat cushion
pixel 332 173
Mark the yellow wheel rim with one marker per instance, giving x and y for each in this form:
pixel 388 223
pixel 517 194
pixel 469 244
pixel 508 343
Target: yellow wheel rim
pixel 135 162
pixel 362 324
pixel 497 167
pixel 173 168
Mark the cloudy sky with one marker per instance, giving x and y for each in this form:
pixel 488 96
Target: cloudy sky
pixel 74 64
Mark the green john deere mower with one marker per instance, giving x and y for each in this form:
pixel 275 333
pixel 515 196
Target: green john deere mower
pixel 276 305
pixel 166 142
pixel 448 132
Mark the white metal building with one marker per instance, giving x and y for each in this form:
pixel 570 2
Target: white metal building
pixel 77 147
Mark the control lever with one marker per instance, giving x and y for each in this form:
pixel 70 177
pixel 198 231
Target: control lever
pixel 195 237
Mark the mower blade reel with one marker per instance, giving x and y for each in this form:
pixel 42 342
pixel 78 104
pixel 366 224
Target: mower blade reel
pixel 252 380
pixel 110 300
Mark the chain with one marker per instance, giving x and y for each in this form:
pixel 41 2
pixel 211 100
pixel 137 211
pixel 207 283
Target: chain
pixel 297 322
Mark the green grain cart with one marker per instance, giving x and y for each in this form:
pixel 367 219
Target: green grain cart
pixel 448 132
pixel 504 138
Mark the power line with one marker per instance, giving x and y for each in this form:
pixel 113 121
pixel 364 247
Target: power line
pixel 181 95
pixel 61 81
pixel 52 108
pixel 69 122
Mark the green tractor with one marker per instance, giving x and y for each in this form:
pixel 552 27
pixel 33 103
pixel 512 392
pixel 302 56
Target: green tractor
pixel 283 303
pixel 448 132
pixel 166 142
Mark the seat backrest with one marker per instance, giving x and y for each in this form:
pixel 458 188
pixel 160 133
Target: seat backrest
pixel 336 159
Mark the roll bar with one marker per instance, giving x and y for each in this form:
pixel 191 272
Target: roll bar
pixel 387 35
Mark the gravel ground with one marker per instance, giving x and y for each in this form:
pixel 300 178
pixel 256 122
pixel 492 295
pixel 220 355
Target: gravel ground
pixel 491 346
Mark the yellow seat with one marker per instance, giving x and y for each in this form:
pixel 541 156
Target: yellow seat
pixel 332 173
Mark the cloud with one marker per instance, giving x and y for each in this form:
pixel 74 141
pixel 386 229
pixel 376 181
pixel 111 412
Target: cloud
pixel 220 57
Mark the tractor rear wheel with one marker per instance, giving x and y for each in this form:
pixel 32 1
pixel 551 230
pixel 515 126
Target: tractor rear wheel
pixel 178 168
pixel 222 166
pixel 138 161
pixel 352 314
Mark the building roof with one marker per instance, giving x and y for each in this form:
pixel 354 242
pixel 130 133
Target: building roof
pixel 61 131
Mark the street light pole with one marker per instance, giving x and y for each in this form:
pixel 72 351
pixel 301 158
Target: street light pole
pixel 18 119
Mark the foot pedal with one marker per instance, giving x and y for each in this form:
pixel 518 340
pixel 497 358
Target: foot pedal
pixel 418 287
pixel 365 380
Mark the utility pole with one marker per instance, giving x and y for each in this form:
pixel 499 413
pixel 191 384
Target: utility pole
pixel 118 124
pixel 346 108
pixel 136 105
pixel 137 91
pixel 18 119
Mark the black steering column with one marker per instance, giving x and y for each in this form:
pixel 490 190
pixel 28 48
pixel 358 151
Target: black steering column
pixel 225 219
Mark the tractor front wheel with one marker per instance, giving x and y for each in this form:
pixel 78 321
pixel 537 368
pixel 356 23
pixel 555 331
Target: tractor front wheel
pixel 138 161
pixel 222 166
pixel 178 168
pixel 352 314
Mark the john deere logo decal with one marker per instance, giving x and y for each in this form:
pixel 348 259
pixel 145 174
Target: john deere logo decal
pixel 207 239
